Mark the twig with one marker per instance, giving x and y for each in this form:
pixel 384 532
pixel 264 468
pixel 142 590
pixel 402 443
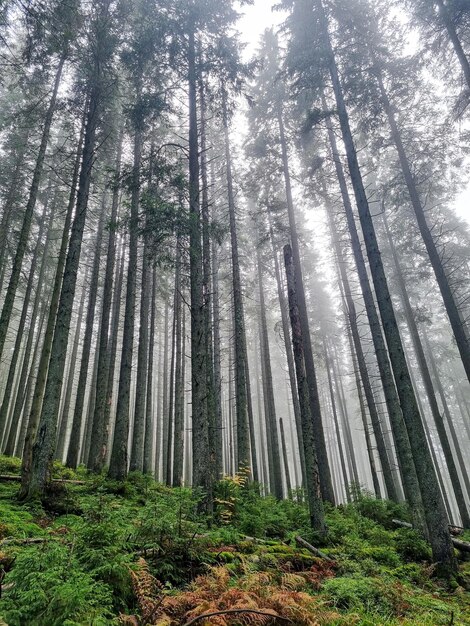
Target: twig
pixel 234 612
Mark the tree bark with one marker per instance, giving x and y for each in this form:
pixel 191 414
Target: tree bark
pixel 402 443
pixel 315 503
pixel 243 443
pixel 74 441
pixel 119 456
pixel 149 405
pixel 285 460
pixel 138 435
pixel 95 456
pixel 350 312
pixel 64 419
pixel 42 369
pixel 271 421
pixel 288 348
pixel 206 279
pixel 200 425
pixel 315 410
pixel 179 382
pixel 335 419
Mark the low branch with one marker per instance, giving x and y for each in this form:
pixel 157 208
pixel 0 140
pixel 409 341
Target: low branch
pixel 312 549
pixel 235 611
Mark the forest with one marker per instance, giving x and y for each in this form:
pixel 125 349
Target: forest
pixel 234 312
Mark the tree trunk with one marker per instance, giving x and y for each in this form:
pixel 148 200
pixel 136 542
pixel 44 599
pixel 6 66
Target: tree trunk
pixel 164 412
pixel 43 448
pixel 217 361
pixel 86 439
pixel 70 378
pixel 43 366
pixel 285 460
pixel 29 211
pixel 435 513
pixel 350 312
pixel 447 413
pixel 9 204
pixel 23 404
pixel 402 443
pixel 95 456
pixel 7 394
pixel 103 443
pixel 206 279
pixel 288 348
pixel 271 421
pixel 315 504
pixel 365 424
pixel 179 383
pixel 350 452
pixel 243 443
pixel 315 410
pixel 436 262
pixel 335 419
pixel 138 435
pixel 428 385
pixel 171 398
pixel 200 425
pixel 149 405
pixel 119 457
pixel 74 442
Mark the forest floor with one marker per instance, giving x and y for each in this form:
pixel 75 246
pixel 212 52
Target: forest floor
pixel 101 553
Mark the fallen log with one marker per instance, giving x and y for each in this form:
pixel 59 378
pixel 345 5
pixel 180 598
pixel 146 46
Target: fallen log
pixel 463 546
pixel 15 478
pixel 399 522
pixel 312 549
pixel 25 541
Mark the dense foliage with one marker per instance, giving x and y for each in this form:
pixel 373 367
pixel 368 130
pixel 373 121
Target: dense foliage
pixel 106 553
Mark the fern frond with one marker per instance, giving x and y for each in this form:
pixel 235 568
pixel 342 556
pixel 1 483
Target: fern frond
pixel 293 582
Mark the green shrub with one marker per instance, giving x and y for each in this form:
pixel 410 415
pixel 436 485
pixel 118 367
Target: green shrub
pixel 380 511
pixel 9 464
pixel 411 546
pixel 49 588
pixel 101 537
pixel 358 593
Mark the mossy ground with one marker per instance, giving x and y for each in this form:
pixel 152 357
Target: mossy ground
pixel 138 554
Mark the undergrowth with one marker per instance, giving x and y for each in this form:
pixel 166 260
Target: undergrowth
pixel 103 553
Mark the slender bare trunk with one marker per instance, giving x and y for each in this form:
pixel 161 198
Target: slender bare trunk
pixel 315 503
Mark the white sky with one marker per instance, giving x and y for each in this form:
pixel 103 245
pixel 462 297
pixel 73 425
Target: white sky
pixel 255 20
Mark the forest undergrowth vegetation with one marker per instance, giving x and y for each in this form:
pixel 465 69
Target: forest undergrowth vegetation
pixel 97 552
